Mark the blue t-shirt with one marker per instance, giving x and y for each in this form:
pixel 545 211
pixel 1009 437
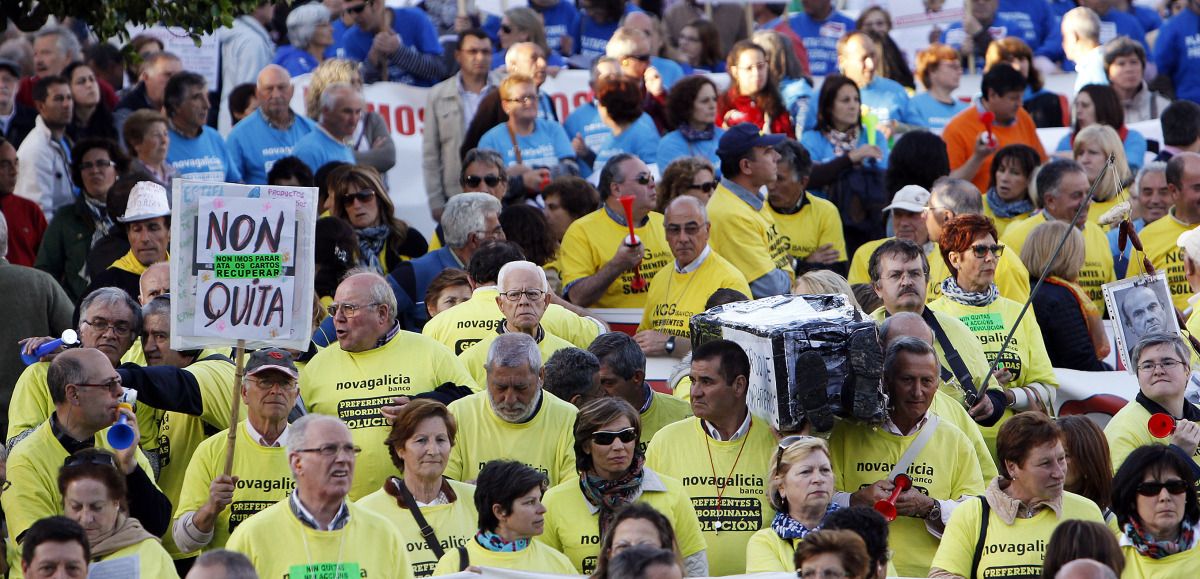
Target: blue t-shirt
pixel 555 59
pixel 204 158
pixel 800 99
pixel 1035 21
pixel 335 50
pixel 294 60
pixel 1177 53
pixel 544 147
pixel 954 35
pixel 317 148
pixel 669 70
pixel 560 20
pixel 1134 145
pixel 926 111
pixel 585 121
pixel 254 145
pixel 416 31
pixel 821 149
pixel 821 38
pixel 887 99
pixel 591 38
pixel 1146 16
pixel 673 146
pixel 640 139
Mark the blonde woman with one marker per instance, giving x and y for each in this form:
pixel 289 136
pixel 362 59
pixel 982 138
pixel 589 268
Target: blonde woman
pixel 824 281
pixel 801 490
pixel 371 142
pixel 1091 149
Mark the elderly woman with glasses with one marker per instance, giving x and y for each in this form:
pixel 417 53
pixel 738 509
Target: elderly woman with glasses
pixel 1154 497
pixel 801 491
pixel 360 199
pixel 609 459
pixel 968 245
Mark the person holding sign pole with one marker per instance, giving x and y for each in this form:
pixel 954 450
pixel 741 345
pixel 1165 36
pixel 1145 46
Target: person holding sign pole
pixel 147 223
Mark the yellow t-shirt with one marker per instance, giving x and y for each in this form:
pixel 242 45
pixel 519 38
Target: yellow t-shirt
pixel 675 297
pixel 280 546
pixel 135 354
pixel 30 404
pixel 739 507
pixel 1099 208
pixel 537 558
pixel 462 326
pixel 545 442
pixel 946 469
pixel 815 224
pixel 573 525
pixel 1015 550
pixel 1097 262
pixel 1012 279
pixel 354 385
pixel 1159 239
pixel 664 409
pixel 860 266
pixel 1002 223
pixel 1193 328
pixel 33 471
pixel 965 343
pixel 749 238
pixel 952 411
pixel 592 240
pixel 475 358
pixel 453 524
pixel 264 478
pixel 1127 430
pixel 1181 565
pixel 153 560
pixel 767 552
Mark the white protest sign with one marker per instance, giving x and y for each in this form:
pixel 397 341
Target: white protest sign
pixel 244 265
pixel 204 60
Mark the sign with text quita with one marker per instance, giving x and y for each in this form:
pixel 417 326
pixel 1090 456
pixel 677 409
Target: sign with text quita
pixel 248 267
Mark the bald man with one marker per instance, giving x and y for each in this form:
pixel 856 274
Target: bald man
pixel 1085 569
pixel 270 133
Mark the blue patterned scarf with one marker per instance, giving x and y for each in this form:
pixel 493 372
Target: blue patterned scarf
pixel 692 135
pixel 788 528
pixel 495 543
pixel 1007 209
pixel 370 245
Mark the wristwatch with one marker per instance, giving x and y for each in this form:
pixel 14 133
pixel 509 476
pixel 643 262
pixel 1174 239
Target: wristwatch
pixel 670 345
pixel 935 514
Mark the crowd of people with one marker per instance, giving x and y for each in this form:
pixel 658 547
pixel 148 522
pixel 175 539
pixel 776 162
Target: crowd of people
pixel 462 403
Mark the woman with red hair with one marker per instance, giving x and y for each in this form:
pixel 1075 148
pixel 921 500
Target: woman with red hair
pixel 968 245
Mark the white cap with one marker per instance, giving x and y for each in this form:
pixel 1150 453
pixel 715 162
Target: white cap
pixel 911 198
pixel 147 200
pixel 1190 242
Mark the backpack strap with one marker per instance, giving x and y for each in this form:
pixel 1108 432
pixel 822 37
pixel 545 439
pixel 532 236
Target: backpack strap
pixel 985 515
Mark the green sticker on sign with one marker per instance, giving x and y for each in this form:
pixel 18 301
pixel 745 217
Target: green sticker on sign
pixel 990 322
pixel 324 571
pixel 248 265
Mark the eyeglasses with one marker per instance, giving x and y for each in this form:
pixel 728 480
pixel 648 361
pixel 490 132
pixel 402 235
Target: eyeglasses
pixel 348 310
pixel 639 57
pixel 1152 489
pixel 606 438
pixel 506 29
pixel 708 187
pixel 515 295
pixel 643 179
pixel 101 325
pixel 99 458
pixel 1167 365
pixel 525 100
pixel 821 574
pixel 475 180
pixel 98 164
pixel 333 449
pixel 269 385
pixel 362 196
pixel 689 229
pixel 113 386
pixel 981 251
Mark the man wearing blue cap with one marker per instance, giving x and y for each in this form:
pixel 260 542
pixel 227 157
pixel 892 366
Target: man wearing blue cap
pixel 743 230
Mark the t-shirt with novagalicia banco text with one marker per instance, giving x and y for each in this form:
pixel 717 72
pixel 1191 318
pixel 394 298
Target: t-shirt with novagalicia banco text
pixel 202 158
pixel 544 147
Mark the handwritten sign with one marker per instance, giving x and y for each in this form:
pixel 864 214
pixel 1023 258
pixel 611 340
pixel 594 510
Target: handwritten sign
pixel 248 269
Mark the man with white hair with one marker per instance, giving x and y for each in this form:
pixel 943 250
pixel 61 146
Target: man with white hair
pixel 1081 43
pixel 317 530
pixel 647 24
pixel 631 47
pixel 269 133
pixel 373 362
pixel 513 418
pixel 524 297
pixel 341 110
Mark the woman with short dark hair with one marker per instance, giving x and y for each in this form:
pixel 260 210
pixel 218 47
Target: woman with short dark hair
pixel 1082 540
pixel 1154 498
pixel 637 525
pixel 691 108
pixel 1008 197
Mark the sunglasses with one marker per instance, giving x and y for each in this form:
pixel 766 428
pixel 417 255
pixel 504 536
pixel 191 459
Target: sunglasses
pixel 708 187
pixel 475 180
pixel 786 442
pixel 641 57
pixel 643 179
pixel 362 196
pixel 981 251
pixel 1152 489
pixel 356 9
pixel 99 458
pixel 506 29
pixel 606 438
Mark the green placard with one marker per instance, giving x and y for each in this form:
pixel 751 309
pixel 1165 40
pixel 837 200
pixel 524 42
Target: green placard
pixel 324 571
pixel 248 265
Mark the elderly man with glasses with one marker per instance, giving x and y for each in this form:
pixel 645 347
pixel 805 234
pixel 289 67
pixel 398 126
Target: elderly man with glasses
pixel 373 362
pixel 1162 371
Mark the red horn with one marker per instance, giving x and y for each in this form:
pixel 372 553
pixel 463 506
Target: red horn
pixel 887 507
pixel 1161 425
pixel 639 282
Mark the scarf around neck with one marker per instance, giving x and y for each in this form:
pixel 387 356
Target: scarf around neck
pixel 496 544
pixel 1007 209
pixel 130 264
pixel 692 135
pixel 952 290
pixel 1147 546
pixel 370 245
pixel 788 528
pixel 99 213
pixel 611 495
pixel 128 531
pixel 843 142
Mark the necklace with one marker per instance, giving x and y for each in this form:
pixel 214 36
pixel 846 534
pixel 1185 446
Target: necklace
pixel 721 488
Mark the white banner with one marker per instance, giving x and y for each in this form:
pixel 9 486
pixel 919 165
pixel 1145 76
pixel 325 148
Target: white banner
pixel 204 59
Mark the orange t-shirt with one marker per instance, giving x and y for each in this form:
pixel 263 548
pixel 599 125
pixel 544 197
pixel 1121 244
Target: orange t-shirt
pixel 963 130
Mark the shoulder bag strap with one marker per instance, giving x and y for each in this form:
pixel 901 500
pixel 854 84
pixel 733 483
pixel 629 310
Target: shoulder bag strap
pixel 464 558
pixel 512 136
pixel 966 381
pixel 918 443
pixel 427 532
pixel 984 514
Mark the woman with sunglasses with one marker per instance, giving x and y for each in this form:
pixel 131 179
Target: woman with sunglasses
pixel 1020 509
pixel 1154 498
pixel 94 495
pixel 801 491
pixel 691 108
pixel 609 458
pixel 692 176
pixel 523 24
pixel 969 248
pixel 360 200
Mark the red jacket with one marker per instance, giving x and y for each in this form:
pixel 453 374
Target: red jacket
pixel 732 110
pixel 26 225
pixel 108 96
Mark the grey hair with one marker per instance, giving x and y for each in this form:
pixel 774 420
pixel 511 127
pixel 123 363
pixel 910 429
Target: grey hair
pixel 902 345
pixel 1159 339
pixel 381 290
pixel 465 214
pixel 899 317
pixel 302 23
pixel 235 564
pixel 570 372
pixel 159 306
pixel 595 68
pixel 111 296
pixel 958 195
pixel 63 370
pixel 1150 168
pixel 483 156
pixel 1083 21
pixel 688 200
pixel 298 433
pixel 620 353
pixel 3 236
pixel 67 43
pixel 514 266
pixel 513 351
pixel 624 42
pixel 332 93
